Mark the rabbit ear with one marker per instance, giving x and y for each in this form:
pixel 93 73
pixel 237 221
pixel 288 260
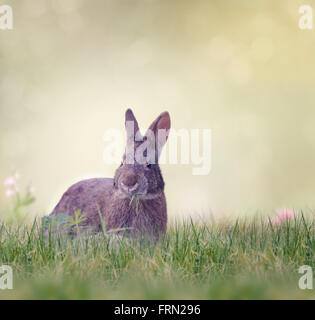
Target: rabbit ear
pixel 163 123
pixel 131 124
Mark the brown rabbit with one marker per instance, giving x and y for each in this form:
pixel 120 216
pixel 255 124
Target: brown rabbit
pixel 132 202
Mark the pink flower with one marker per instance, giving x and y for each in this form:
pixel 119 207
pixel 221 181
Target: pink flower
pixel 282 216
pixel 10 181
pixel 9 193
pixel 286 214
pixel 16 175
pixel 31 190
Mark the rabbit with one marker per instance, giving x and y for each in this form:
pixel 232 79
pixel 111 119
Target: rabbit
pixel 131 203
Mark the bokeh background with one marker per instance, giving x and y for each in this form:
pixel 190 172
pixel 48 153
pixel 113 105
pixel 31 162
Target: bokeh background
pixel 244 69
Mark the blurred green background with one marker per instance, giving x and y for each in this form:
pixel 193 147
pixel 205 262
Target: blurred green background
pixel 69 69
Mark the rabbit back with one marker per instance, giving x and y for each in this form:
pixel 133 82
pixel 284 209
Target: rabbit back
pixel 89 196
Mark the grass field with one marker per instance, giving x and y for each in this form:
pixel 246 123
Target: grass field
pixel 239 259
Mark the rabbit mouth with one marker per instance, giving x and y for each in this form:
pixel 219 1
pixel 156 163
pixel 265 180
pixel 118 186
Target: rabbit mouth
pixel 139 188
pixel 129 190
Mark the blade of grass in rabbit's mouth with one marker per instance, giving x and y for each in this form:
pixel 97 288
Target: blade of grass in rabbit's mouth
pixel 135 196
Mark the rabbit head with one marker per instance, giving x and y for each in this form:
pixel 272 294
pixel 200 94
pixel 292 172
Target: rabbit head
pixel 139 173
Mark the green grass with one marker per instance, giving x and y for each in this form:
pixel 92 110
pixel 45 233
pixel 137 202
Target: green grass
pixel 242 259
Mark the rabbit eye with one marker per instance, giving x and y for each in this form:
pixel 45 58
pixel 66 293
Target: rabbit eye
pixel 149 165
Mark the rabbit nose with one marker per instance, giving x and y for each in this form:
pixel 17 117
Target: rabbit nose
pixel 130 180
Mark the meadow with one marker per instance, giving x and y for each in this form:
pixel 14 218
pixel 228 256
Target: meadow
pixel 248 258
